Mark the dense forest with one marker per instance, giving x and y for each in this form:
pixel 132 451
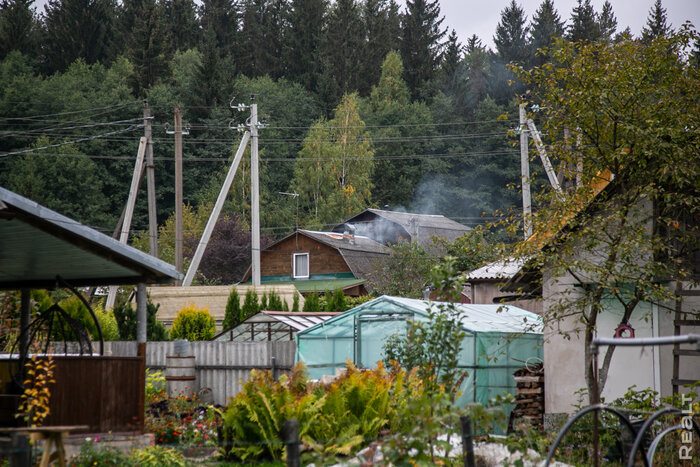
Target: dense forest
pixel 368 105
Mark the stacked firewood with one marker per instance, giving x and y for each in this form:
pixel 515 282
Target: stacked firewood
pixel 529 395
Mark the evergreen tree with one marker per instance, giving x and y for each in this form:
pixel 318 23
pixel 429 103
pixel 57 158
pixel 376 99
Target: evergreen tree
pixel 477 66
pixel 250 305
pixel 274 302
pixel 657 25
pixel 336 301
pixel 77 29
pixel 382 27
pixel 18 27
pixel 545 28
pixel 451 60
pixel 511 35
pixel 305 29
pixel 312 302
pixel 260 38
pixel 222 18
pixel 209 78
pixel 607 23
pixel 147 47
pixel 404 125
pixel 340 52
pixel 421 44
pixel 233 310
pixel 180 24
pixel 584 24
pixel 295 302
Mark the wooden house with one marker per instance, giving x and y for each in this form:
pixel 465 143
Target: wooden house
pixel 320 261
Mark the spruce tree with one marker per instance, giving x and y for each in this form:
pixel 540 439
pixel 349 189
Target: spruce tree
pixel 147 47
pixel 421 45
pixel 77 29
pixel 656 23
pixel 340 52
pixel 584 24
pixel 382 27
pixel 180 24
pixel 302 39
pixel 222 18
pixel 607 23
pixel 511 35
pixel 233 310
pixel 545 28
pixel 18 27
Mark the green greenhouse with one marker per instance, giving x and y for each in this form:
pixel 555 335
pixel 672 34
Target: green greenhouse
pixel 499 340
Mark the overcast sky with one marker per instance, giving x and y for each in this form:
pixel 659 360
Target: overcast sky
pixel 480 17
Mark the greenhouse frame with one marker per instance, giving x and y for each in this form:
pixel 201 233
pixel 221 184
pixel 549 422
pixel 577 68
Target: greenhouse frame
pixel 499 339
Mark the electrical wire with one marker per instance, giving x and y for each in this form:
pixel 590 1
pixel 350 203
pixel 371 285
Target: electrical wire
pixel 33 117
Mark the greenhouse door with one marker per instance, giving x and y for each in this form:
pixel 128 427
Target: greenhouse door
pixel 371 332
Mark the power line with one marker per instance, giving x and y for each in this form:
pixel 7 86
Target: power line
pixel 44 131
pixel 33 117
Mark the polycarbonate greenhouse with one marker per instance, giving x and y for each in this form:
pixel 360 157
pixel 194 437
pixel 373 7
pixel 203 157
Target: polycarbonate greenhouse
pixel 499 340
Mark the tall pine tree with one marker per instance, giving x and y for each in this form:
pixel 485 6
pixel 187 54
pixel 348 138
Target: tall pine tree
pixel 511 35
pixel 584 24
pixel 421 45
pixel 545 28
pixel 19 27
pixel 77 29
pixel 180 24
pixel 147 48
pixel 302 39
pixel 222 18
pixel 382 27
pixel 656 25
pixel 607 23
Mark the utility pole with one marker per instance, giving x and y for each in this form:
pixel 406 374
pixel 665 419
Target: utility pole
pixel 150 181
pixel 543 155
pixel 129 212
pixel 250 128
pixel 254 193
pixel 178 132
pixel 525 174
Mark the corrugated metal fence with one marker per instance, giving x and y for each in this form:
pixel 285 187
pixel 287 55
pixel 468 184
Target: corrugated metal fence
pixel 221 366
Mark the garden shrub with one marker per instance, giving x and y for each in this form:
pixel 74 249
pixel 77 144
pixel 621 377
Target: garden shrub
pixel 125 315
pixel 250 305
pixel 193 324
pixel 312 302
pixel 274 302
pixel 108 324
pixel 295 302
pixel 336 301
pixel 157 456
pixel 233 310
pixel 92 453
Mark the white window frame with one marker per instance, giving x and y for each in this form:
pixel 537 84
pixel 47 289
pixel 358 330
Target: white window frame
pixel 294 266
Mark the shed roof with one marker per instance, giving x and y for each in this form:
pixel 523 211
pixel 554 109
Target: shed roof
pixel 498 270
pixel 474 318
pixel 39 244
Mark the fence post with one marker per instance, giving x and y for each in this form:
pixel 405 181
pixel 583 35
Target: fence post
pixel 290 435
pixel 21 454
pixel 467 441
pixel 273 362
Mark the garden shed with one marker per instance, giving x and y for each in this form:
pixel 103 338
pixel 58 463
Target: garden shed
pixel 499 340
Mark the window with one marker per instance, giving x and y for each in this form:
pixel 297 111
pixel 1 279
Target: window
pixel 301 265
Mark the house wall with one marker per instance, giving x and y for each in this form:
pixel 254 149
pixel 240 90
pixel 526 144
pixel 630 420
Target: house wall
pixel 485 292
pixel 322 258
pixel 648 367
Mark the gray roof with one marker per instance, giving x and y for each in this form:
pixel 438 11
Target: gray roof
pixel 280 323
pixel 38 244
pixel 419 226
pixel 498 270
pixel 361 253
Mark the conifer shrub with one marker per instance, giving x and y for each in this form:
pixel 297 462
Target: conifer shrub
pixel 193 324
pixel 233 310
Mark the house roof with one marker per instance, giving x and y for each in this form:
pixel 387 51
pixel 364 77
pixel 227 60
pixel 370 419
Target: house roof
pixel 417 226
pixel 474 318
pixel 280 324
pixel 39 244
pixel 213 297
pixel 498 270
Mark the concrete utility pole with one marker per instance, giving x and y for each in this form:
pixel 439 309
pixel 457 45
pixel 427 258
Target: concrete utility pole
pixel 254 193
pixel 129 211
pixel 178 191
pixel 543 155
pixel 150 182
pixel 525 175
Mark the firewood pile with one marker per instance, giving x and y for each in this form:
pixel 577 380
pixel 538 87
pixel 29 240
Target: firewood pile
pixel 529 395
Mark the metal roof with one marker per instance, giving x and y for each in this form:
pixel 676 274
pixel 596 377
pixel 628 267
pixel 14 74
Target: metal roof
pixel 474 318
pixel 498 270
pixel 38 244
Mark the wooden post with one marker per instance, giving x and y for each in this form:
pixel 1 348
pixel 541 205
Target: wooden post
pixel 467 440
pixel 151 184
pixel 178 192
pixel 21 451
pixel 290 436
pixel 141 337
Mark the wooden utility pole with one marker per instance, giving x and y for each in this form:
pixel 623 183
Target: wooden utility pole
pixel 525 174
pixel 178 192
pixel 254 194
pixel 150 182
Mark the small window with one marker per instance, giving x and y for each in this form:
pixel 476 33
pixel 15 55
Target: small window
pixel 301 265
